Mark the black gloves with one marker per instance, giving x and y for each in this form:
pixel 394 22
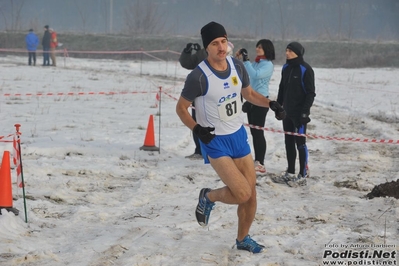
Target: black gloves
pixel 196 47
pixel 190 46
pixel 278 110
pixel 305 119
pixel 204 133
pixel 244 54
pixel 246 107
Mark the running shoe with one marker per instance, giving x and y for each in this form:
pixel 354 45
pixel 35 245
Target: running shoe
pixel 204 207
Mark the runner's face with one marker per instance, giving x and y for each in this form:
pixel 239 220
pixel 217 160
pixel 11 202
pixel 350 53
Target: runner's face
pixel 217 49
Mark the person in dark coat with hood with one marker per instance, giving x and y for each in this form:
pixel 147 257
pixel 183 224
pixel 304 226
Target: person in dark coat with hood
pixel 296 94
pixel 46 46
pixel 190 60
pixel 32 41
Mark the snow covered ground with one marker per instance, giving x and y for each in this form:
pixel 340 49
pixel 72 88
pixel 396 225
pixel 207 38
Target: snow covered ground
pixel 95 198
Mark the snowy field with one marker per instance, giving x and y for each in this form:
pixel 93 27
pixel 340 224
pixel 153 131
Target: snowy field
pixel 94 198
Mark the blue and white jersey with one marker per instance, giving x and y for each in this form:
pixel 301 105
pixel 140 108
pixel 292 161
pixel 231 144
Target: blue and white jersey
pixel 220 105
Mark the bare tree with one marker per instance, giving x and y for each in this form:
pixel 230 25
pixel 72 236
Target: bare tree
pixel 142 17
pixel 105 15
pixel 349 13
pixel 3 12
pixel 282 25
pixel 340 15
pixel 82 13
pixel 355 12
pixel 11 13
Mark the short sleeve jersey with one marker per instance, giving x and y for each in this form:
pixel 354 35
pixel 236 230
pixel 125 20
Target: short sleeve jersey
pixel 217 95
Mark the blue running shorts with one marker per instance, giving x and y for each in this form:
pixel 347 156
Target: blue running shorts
pixel 234 145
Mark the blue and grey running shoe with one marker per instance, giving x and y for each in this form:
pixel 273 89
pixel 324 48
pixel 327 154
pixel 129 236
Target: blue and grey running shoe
pixel 204 208
pixel 250 245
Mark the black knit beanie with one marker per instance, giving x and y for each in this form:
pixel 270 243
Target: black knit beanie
pixel 211 31
pixel 297 48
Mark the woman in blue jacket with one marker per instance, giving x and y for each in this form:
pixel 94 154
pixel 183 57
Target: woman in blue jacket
pixel 260 72
pixel 32 41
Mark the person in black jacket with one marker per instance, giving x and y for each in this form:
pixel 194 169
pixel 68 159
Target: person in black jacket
pixel 46 46
pixel 296 94
pixel 189 61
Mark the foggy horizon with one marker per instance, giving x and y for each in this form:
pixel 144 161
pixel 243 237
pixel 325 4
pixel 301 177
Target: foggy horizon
pixel 341 20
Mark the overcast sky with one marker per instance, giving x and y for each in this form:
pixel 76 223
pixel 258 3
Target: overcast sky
pixel 273 19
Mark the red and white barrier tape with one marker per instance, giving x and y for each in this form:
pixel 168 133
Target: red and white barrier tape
pixel 8 136
pixel 82 93
pixel 93 52
pixel 171 96
pixel 390 141
pixel 73 93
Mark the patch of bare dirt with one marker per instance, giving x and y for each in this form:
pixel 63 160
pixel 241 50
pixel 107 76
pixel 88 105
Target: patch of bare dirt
pixel 389 189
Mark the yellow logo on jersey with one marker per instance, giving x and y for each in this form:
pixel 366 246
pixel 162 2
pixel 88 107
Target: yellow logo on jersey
pixel 235 81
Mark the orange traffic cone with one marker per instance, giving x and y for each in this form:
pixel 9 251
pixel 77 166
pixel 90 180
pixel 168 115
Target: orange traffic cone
pixel 149 142
pixel 5 184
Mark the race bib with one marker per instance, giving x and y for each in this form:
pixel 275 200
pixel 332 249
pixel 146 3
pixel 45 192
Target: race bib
pixel 229 110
